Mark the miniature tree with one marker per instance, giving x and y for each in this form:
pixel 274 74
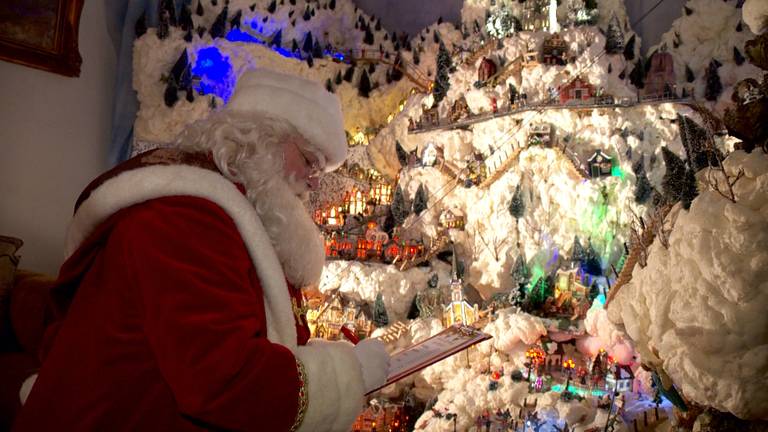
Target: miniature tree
pixel 517 210
pixel 578 255
pixel 308 43
pixel 349 73
pixel 171 95
pixel 689 77
pixel 337 79
pixel 185 18
pixel 678 183
pixel 629 49
pixel 614 38
pixel 329 85
pixel 591 263
pixel 738 58
pixel 520 276
pixel 272 6
pixel 277 39
pixel 402 155
pixel 442 80
pixel 398 207
pixel 332 5
pixel 317 50
pixel 713 87
pixel 199 10
pixel 368 37
pixel 380 316
pixel 695 141
pixel 163 28
pixel 420 200
pixel 307 15
pixel 219 26
pixel 643 188
pixel 364 86
pixel 413 311
pixel 637 76
pixel 170 8
pixel 235 21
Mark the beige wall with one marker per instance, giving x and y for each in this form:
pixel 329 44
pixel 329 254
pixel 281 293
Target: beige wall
pixel 53 138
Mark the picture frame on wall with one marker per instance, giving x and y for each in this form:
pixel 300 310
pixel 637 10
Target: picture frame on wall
pixel 41 34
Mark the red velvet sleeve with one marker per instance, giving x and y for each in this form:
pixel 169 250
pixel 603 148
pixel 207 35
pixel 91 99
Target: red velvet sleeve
pixel 204 316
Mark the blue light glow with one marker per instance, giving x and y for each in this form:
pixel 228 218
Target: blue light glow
pixel 600 299
pixel 215 73
pixel 237 35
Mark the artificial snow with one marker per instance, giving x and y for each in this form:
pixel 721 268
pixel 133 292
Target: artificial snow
pixel 698 308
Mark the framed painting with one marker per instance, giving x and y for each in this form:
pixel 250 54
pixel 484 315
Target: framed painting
pixel 41 34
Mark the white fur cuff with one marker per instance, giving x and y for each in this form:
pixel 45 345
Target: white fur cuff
pixel 334 385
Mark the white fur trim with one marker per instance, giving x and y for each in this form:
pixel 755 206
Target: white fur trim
pixel 143 184
pixel 307 105
pixel 26 388
pixel 334 385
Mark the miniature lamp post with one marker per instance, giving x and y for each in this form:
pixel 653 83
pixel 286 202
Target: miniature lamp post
pixel 568 365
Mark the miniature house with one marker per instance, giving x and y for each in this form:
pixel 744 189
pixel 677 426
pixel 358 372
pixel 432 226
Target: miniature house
pixel 452 218
pixel 530 59
pixel 458 311
pixel 660 81
pixel 540 15
pixel 568 282
pixel 460 109
pixel 554 50
pixel 429 155
pixel 577 90
pixel 599 164
pixel 619 379
pixel 486 70
pixel 541 134
pixel 430 117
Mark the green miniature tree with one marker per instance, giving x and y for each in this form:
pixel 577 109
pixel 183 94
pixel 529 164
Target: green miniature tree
pixel 380 316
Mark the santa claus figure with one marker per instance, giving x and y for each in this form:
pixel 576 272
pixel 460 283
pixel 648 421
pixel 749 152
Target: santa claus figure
pixel 179 305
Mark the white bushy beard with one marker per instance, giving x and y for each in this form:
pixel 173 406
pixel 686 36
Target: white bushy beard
pixel 298 243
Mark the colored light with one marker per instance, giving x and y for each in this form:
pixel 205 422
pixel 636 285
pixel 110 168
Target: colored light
pixel 215 71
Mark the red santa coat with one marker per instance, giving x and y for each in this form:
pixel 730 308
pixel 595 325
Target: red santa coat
pixel 178 317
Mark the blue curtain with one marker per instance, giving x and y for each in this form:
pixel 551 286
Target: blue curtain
pixel 121 20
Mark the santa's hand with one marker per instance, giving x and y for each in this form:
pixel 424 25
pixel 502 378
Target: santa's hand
pixel 374 362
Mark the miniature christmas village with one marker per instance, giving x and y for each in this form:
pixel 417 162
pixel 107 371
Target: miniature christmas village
pixel 601 213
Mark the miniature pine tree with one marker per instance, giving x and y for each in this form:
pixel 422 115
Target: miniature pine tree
pixel 398 207
pixel 179 68
pixel 329 85
pixel 433 281
pixel 364 86
pixel 413 311
pixel 520 274
pixel 308 43
pixel 317 50
pixel 201 31
pixel 171 95
pixel 402 155
pixel 689 77
pixel 252 7
pixel 337 79
pixel 170 7
pixel 695 139
pixel 577 251
pixel 614 38
pixel 199 10
pixel 592 263
pixel 290 13
pixel 332 5
pixel 312 12
pixel 190 95
pixel 377 27
pixel 141 25
pixel 629 49
pixel 235 21
pixel 714 87
pixel 739 27
pixel 442 80
pixel 436 37
pixel 309 61
pixel 610 68
pixel 637 76
pixel 623 74
pixel 219 26
pixel 163 28
pixel 688 11
pixel 349 74
pixel 678 183
pixel 416 57
pixel 294 46
pixel 306 16
pixel 368 37
pixel 643 188
pixel 737 57
pixel 277 39
pixel 380 316
pixel 371 68
pixel 185 18
pixel 188 36
pixel 517 205
pixel 214 2
pixel 389 224
pixel 420 200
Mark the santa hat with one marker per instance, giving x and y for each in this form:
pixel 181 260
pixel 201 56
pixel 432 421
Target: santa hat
pixel 307 105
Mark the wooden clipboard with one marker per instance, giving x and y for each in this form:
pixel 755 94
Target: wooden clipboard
pixel 416 357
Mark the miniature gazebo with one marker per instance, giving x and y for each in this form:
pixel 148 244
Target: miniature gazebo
pixel 600 164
